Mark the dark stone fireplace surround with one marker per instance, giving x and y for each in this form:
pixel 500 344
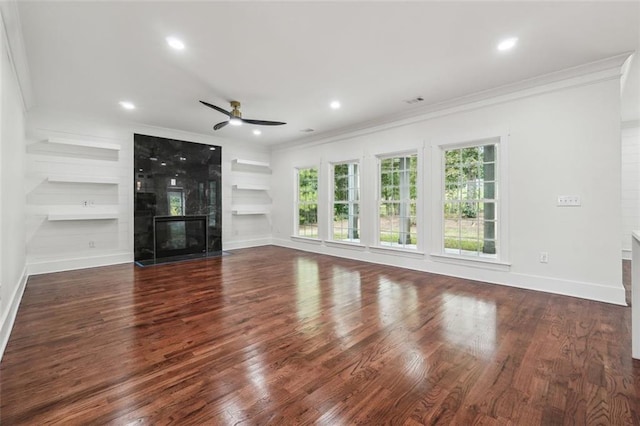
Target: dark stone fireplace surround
pixel 177 208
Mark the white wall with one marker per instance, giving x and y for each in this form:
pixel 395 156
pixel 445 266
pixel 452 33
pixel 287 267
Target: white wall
pixel 630 186
pixel 63 245
pixel 12 198
pixel 53 246
pixel 561 140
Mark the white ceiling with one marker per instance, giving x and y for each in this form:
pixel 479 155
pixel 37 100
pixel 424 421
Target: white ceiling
pixel 286 61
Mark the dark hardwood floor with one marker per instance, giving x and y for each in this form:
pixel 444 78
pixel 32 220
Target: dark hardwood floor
pixel 277 336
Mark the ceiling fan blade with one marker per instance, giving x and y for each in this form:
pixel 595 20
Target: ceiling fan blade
pixel 216 108
pixel 220 125
pixel 263 122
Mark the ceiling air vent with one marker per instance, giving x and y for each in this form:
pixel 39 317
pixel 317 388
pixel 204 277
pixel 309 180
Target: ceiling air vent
pixel 414 100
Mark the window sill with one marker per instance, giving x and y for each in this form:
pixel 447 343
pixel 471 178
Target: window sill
pixel 492 264
pixel 345 244
pixel 306 239
pixel 397 250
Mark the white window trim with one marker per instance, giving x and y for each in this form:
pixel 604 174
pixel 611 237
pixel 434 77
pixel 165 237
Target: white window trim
pixel 332 200
pixel 501 262
pixel 419 203
pixel 296 198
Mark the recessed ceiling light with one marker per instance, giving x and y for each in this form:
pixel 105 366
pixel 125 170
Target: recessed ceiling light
pixel 335 105
pixel 163 164
pixel 212 148
pixel 507 44
pixel 257 132
pixel 127 105
pixel 183 158
pixel 175 43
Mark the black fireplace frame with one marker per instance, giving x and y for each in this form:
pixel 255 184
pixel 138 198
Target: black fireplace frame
pixel 159 253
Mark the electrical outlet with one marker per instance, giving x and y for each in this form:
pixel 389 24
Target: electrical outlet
pixel 544 257
pixel 569 201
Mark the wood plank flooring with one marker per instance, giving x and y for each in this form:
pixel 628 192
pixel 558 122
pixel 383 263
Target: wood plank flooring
pixel 276 336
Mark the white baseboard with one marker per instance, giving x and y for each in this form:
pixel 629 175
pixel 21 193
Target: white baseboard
pixel 9 316
pixel 58 265
pixel 579 289
pixel 233 245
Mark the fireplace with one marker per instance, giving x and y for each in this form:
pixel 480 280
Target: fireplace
pixel 180 235
pixel 178 200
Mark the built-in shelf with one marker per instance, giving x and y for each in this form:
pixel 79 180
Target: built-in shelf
pixel 82 213
pixel 251 187
pixel 250 210
pixel 88 144
pixel 244 210
pixel 260 164
pixel 107 180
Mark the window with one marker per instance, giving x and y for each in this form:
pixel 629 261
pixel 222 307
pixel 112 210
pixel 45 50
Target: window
pixel 346 207
pixel 397 206
pixel 470 201
pixel 308 202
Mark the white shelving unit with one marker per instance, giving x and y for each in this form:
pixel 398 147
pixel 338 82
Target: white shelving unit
pixel 103 180
pixel 251 187
pixel 251 166
pixel 82 213
pixel 243 162
pixel 250 210
pixel 63 175
pixel 88 144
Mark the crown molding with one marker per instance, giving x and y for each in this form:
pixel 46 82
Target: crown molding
pixel 593 72
pixel 15 46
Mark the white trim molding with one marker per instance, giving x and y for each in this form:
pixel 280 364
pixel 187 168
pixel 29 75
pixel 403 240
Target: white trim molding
pixel 594 72
pixel 307 240
pixel 477 262
pixel 9 317
pixel 635 295
pixel 16 48
pixel 240 244
pixel 59 265
pixel 579 289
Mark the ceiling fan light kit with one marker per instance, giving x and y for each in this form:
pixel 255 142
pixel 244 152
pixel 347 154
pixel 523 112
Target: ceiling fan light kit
pixel 235 117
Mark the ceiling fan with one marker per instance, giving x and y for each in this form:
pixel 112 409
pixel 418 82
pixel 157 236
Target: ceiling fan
pixel 235 117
